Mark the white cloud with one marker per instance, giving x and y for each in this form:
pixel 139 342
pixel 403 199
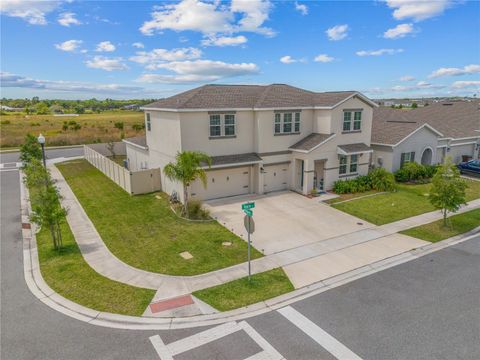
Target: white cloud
pixel 418 10
pixel 324 58
pixel 378 52
pixel 18 81
pixel 153 59
pixel 107 64
pixel 421 85
pixel 105 46
pixel 338 32
pixel 466 84
pixel 224 41
pixel 67 19
pixel 407 78
pixel 138 45
pixel 466 70
pixel 33 12
pixel 398 31
pixel 69 45
pixel 199 71
pixel 302 8
pixel 210 17
pixel 287 59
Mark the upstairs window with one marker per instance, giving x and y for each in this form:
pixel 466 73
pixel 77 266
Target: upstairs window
pixel 352 120
pixel 287 123
pixel 278 123
pixel 229 125
pixel 347 120
pixel 215 125
pixel 149 125
pixel 222 125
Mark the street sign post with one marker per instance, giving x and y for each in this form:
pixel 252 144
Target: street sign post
pixel 250 227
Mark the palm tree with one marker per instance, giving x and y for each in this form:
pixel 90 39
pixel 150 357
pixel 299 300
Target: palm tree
pixel 187 169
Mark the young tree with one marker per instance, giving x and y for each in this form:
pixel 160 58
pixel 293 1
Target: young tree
pixel 46 207
pixel 186 169
pixel 111 148
pixel 448 189
pixel 30 149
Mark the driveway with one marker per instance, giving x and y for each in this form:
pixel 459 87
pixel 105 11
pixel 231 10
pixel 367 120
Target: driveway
pixel 285 220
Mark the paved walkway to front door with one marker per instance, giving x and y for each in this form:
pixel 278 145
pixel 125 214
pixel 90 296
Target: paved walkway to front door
pixel 285 220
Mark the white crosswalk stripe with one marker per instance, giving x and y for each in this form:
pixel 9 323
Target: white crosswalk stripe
pixel 328 342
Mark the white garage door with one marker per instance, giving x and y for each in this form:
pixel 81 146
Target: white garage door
pixel 276 177
pixel 223 183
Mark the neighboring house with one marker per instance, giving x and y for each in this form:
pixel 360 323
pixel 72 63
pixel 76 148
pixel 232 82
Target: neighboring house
pixel 261 138
pixel 426 135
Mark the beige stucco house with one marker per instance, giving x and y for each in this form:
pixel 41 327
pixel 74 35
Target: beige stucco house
pixel 261 138
pixel 426 135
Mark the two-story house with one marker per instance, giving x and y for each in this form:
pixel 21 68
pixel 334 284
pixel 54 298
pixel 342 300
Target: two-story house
pixel 261 138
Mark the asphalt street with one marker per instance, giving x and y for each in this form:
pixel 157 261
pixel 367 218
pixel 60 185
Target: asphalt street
pixel 424 309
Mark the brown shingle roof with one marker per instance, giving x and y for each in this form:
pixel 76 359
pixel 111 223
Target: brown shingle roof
pixel 235 159
pixel 249 97
pixel 310 141
pixel 354 148
pixel 457 120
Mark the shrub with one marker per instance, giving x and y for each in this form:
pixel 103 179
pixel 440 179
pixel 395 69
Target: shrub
pixel 196 211
pixel 381 180
pixel 119 125
pixel 138 127
pixel 414 172
pixel 5 122
pixel 76 127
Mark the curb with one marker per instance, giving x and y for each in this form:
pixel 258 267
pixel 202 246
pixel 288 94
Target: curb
pixel 49 297
pixel 5 151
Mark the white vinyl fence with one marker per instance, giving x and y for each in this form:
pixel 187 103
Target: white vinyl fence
pixel 133 182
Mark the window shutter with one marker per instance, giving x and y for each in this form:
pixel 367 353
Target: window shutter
pixel 412 156
pixel 402 159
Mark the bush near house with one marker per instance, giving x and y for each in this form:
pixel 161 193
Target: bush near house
pixel 378 179
pixel 413 172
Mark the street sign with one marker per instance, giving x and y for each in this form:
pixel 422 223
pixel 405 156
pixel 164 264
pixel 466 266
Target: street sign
pixel 248 212
pixel 249 224
pixel 248 206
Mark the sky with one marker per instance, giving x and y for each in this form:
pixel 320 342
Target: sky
pixel 153 49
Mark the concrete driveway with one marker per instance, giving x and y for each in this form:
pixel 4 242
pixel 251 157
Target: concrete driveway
pixel 285 220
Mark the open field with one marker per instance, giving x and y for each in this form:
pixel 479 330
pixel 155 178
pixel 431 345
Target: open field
pixel 144 232
pixel 436 231
pixel 93 128
pixel 407 201
pixel 240 293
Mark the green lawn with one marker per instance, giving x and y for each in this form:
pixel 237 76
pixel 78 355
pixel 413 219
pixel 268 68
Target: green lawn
pixel 344 197
pixel 407 201
pixel 67 273
pixel 436 231
pixel 142 230
pixel 240 293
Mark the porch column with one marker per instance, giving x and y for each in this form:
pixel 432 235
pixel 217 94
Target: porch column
pixel 308 175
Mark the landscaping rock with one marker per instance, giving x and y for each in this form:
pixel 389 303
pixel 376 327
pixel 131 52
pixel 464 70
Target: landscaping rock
pixel 226 243
pixel 186 255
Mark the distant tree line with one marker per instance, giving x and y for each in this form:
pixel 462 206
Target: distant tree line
pixel 57 106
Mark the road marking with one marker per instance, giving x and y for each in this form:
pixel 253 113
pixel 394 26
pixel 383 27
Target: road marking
pixel 327 341
pixel 8 170
pixel 167 352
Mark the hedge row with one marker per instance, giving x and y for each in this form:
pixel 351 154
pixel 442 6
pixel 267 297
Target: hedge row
pixel 378 179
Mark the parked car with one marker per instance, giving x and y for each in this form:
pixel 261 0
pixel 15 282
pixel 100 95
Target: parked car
pixel 471 167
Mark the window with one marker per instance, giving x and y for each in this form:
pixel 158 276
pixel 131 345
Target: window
pixel 343 165
pixel 219 128
pixel 347 120
pixel 278 123
pixel 215 125
pixel 287 123
pixel 407 157
pixel 297 122
pixel 353 163
pixel 229 122
pixel 357 120
pixel 149 125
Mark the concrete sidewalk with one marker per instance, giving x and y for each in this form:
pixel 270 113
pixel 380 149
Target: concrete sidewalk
pixel 104 262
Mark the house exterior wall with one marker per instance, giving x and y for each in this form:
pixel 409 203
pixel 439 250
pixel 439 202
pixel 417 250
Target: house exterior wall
pixel 138 159
pixel 418 142
pixel 459 148
pixel 382 157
